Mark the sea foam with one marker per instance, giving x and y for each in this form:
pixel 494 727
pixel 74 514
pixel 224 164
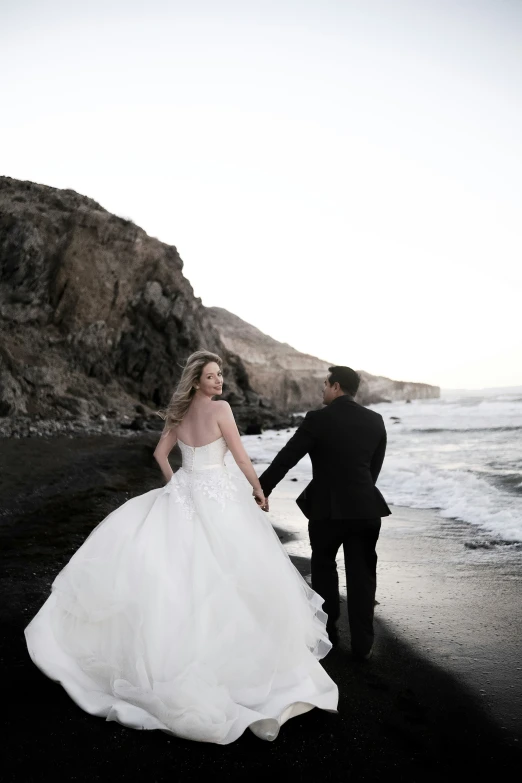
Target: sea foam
pixel 461 455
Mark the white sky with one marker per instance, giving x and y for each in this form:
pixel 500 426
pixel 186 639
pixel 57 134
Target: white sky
pixel 346 176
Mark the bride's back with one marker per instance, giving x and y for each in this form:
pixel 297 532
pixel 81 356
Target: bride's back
pixel 199 425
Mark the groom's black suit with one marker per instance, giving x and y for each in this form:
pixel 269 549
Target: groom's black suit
pixel 346 443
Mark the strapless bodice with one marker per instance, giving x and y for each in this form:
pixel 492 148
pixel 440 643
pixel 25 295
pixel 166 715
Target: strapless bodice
pixel 207 457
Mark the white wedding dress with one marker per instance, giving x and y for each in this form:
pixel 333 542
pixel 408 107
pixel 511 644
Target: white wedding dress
pixel 183 612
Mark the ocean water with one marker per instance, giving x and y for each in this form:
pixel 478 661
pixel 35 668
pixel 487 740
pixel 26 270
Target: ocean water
pixel 461 455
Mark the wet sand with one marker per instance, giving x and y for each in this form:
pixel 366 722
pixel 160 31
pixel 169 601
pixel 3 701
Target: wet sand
pixel 452 595
pixel 415 711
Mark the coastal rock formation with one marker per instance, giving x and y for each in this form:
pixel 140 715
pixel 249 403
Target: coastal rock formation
pixel 376 388
pixel 279 372
pixel 275 370
pixel 96 317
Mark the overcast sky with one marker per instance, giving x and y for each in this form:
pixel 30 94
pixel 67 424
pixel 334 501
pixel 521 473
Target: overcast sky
pixel 346 176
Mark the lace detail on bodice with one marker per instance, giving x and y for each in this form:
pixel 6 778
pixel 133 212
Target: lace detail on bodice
pixel 203 474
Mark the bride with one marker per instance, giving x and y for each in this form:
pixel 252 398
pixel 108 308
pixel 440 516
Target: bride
pixel 182 611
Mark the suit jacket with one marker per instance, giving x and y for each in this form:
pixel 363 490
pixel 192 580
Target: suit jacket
pixel 346 443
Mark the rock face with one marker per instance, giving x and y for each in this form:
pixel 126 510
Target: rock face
pixel 376 388
pixel 275 370
pixel 95 316
pixel 278 372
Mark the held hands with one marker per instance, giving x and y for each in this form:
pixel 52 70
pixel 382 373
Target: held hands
pixel 260 499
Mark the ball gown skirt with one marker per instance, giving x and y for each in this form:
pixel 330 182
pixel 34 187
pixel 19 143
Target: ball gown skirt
pixel 183 612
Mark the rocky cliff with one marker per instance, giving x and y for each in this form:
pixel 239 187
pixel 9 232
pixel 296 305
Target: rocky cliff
pixel 275 370
pixel 96 318
pixel 279 372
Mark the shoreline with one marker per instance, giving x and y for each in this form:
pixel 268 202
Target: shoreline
pixel 401 711
pixel 457 606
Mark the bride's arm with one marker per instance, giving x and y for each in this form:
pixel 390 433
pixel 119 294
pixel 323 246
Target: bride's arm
pixel 227 425
pixel 165 445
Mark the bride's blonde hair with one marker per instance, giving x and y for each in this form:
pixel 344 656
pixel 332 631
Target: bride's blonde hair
pixel 186 389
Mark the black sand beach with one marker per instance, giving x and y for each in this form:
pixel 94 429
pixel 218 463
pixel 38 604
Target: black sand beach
pixel 414 712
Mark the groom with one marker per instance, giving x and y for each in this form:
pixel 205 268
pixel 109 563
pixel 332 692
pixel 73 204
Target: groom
pixel 346 444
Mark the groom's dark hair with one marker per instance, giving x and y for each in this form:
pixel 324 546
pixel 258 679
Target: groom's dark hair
pixel 347 379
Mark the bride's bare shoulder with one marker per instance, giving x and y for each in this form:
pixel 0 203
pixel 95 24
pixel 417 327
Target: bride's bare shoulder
pixel 221 408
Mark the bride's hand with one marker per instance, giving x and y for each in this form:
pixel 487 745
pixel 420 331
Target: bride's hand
pixel 260 499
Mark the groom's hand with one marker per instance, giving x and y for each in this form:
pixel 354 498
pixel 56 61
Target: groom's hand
pixel 260 499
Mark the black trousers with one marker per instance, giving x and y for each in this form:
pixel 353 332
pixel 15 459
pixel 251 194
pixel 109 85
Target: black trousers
pixel 358 538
